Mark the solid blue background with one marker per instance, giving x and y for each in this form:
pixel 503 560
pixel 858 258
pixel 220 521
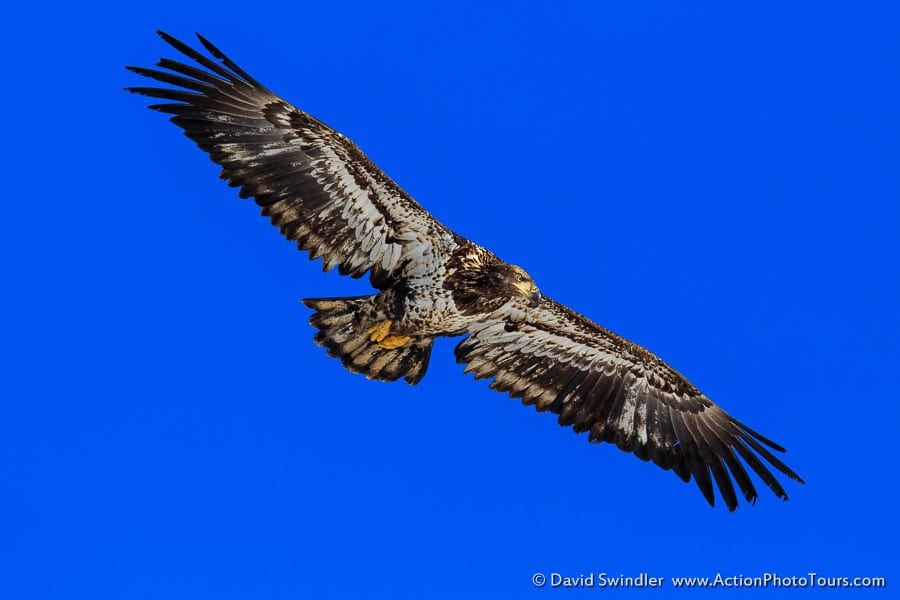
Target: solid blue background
pixel 717 184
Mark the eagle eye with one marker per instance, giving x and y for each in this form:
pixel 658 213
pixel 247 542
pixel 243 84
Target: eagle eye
pixel 519 278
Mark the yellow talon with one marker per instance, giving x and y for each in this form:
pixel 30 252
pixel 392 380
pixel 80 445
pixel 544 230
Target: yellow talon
pixel 393 341
pixel 379 331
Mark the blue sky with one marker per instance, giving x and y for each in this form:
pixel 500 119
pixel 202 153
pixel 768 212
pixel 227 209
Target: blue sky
pixel 719 184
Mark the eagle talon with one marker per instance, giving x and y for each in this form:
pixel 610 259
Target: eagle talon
pixel 381 334
pixel 380 331
pixel 392 342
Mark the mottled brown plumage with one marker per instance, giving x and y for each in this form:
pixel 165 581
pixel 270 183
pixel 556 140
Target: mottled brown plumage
pixel 320 190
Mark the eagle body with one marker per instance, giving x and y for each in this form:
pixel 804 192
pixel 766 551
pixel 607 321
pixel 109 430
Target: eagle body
pixel 463 289
pixel 322 192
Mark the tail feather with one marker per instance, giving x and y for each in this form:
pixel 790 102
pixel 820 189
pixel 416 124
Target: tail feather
pixel 345 336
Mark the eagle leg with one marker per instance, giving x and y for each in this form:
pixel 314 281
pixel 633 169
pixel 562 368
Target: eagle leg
pixel 380 333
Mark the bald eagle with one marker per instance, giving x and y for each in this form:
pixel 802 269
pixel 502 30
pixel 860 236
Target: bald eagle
pixel 321 191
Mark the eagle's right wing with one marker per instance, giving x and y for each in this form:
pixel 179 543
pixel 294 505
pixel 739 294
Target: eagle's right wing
pixel 311 181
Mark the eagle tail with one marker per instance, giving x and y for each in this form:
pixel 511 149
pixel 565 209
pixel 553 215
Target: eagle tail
pixel 347 337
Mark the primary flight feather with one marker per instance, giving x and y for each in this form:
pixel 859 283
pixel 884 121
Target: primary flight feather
pixel 319 189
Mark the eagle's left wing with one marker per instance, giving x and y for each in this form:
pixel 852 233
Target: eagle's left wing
pixel 621 393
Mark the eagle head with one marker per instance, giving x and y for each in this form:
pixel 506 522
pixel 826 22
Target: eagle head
pixel 482 283
pixel 520 282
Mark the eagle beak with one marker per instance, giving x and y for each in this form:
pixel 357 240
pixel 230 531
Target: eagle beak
pixel 535 298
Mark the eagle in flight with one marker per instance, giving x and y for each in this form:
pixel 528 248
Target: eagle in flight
pixel 321 191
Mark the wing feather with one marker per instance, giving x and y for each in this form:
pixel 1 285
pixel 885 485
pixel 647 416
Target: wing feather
pixel 313 183
pixel 622 394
